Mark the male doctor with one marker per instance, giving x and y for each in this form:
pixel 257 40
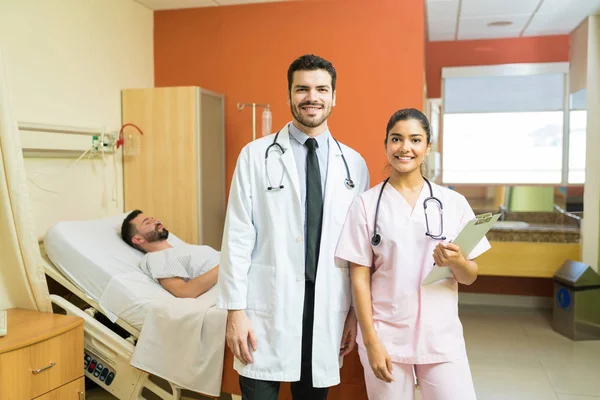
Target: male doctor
pixel 288 298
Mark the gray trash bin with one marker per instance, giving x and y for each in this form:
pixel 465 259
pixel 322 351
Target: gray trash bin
pixel 576 310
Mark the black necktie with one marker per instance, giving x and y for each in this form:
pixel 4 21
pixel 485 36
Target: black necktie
pixel 314 210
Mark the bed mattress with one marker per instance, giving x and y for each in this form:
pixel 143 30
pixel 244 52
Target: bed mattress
pixel 92 255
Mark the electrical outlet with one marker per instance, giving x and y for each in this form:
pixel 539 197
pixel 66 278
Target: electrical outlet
pixel 106 144
pixel 95 144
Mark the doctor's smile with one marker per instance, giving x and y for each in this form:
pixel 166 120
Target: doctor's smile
pixel 311 107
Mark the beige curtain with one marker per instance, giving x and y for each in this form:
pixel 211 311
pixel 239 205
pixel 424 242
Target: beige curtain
pixel 22 279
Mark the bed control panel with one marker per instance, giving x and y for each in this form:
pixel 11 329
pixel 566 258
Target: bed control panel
pixel 94 367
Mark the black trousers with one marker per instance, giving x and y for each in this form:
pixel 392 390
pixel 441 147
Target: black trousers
pixel 254 389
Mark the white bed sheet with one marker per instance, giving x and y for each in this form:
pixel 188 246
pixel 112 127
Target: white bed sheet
pixel 92 255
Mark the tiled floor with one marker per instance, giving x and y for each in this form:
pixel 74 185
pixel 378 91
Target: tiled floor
pixel 515 354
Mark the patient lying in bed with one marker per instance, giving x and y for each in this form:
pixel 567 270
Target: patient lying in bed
pixel 185 271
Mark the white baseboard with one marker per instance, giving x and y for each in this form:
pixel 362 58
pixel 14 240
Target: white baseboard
pixel 504 300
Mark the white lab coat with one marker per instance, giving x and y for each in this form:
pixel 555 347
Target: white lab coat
pixel 262 261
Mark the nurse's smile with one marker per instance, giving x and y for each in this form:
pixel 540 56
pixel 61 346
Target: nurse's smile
pixel 404 158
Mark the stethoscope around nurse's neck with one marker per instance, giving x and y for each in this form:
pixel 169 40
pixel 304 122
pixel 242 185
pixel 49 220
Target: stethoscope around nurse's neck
pixel 376 238
pixel 279 149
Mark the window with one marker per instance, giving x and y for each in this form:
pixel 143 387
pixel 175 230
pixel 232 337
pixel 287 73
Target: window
pixel 503 148
pixel 577 132
pixel 506 125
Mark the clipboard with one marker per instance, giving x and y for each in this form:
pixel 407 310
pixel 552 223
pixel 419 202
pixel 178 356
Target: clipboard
pixel 467 239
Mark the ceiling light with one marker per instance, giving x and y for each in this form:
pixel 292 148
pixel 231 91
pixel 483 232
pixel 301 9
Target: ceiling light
pixel 499 23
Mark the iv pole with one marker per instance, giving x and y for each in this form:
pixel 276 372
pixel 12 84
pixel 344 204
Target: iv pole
pixel 241 106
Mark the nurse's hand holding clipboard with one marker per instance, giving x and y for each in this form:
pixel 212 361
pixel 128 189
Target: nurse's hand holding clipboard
pixel 449 255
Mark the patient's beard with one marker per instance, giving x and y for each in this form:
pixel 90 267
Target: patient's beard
pixel 157 236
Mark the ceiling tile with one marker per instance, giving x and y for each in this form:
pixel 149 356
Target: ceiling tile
pixel 563 23
pixel 559 6
pixel 475 34
pixel 444 25
pixel 561 16
pixel 442 10
pixel 579 7
pixel 439 37
pixel 472 27
pixel 493 8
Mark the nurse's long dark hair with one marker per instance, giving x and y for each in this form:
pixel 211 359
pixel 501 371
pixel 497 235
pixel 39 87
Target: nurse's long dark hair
pixel 407 114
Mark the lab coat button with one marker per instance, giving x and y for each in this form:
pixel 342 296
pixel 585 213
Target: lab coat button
pixel 299 239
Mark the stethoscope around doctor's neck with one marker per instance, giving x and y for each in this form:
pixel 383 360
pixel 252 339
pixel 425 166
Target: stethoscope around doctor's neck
pixel 348 181
pixel 376 238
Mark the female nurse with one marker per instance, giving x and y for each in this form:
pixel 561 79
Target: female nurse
pixel 393 235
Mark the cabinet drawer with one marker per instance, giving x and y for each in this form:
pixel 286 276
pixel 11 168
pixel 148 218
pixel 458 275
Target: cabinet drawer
pixel 31 371
pixel 71 391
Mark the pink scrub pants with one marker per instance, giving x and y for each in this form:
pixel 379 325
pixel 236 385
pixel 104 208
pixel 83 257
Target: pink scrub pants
pixel 444 381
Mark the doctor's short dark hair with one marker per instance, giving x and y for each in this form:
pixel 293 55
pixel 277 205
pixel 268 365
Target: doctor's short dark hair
pixel 407 114
pixel 128 229
pixel 310 62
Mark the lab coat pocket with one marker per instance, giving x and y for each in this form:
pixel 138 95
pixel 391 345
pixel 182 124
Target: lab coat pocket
pixel 261 288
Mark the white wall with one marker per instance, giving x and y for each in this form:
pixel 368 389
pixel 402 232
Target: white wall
pixel 67 61
pixel 591 199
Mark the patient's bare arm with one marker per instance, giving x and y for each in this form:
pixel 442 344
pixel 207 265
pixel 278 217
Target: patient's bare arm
pixel 192 288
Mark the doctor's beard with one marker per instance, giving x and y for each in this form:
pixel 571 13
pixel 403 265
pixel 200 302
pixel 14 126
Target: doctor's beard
pixel 308 122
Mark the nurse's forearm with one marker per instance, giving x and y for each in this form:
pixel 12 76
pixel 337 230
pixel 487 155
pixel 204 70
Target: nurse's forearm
pixel 466 273
pixel 361 292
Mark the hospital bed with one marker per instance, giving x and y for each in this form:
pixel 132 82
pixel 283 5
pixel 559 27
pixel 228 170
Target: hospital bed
pixel 90 261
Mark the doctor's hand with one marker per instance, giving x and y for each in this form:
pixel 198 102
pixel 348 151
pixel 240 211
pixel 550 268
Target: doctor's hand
pixel 380 361
pixel 239 332
pixel 449 255
pixel 349 335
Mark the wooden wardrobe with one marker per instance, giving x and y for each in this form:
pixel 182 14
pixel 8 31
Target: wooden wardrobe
pixel 179 174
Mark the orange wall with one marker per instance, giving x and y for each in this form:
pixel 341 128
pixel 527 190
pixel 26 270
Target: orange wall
pixel 490 52
pixel 244 52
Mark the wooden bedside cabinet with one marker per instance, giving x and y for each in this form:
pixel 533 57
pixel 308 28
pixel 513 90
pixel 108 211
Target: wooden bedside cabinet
pixel 41 357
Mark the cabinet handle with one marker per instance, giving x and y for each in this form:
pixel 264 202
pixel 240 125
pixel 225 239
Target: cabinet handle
pixel 37 371
pixel 81 395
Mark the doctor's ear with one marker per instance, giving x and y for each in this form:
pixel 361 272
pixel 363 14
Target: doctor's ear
pixel 334 97
pixel 289 98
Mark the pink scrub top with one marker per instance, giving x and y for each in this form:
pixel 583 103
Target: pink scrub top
pixel 417 325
